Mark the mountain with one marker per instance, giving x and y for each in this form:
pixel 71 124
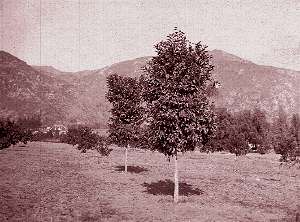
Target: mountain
pixel 80 96
pixel 25 91
pixel 245 85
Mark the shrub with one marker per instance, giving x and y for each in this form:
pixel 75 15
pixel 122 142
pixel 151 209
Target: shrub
pixel 84 138
pixel 11 133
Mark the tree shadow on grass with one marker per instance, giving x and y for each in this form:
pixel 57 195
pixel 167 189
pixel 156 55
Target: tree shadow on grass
pixel 131 169
pixel 166 187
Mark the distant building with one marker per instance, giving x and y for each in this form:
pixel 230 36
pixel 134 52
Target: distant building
pixel 61 129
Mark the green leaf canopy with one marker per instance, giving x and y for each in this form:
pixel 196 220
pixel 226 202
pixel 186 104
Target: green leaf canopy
pixel 176 91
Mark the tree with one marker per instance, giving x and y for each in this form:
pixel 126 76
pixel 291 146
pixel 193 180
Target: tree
pixel 124 93
pixel 236 132
pixel 32 123
pixel 237 140
pixel 225 124
pixel 5 134
pixel 295 127
pixel 86 139
pixel 11 133
pixel 260 137
pixel 175 90
pixel 295 136
pixel 284 142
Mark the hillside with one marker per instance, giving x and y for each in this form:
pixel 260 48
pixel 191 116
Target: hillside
pixel 25 91
pixel 80 96
pixel 246 85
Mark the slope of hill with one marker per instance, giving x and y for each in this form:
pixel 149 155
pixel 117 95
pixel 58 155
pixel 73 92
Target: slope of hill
pixel 246 85
pixel 24 91
pixel 80 97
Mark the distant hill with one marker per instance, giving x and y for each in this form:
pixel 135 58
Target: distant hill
pixel 80 97
pixel 24 91
pixel 246 85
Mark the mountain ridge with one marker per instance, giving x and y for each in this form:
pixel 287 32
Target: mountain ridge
pixel 73 97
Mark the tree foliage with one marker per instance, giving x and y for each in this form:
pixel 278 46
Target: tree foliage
pixel 176 83
pixel 86 139
pixel 285 135
pixel 240 132
pixel 295 128
pixel 33 122
pixel 260 137
pixel 12 132
pixel 124 93
pixel 225 122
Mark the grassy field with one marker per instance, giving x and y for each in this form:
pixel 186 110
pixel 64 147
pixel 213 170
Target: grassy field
pixel 55 182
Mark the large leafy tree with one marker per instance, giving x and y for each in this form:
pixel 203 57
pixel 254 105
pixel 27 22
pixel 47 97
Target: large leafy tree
pixel 124 93
pixel 176 91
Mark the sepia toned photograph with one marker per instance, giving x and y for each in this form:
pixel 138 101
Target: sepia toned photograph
pixel 163 110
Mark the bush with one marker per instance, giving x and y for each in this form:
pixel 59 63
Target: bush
pixel 11 133
pixel 84 138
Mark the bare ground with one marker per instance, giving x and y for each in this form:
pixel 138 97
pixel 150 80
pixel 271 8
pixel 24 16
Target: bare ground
pixel 55 182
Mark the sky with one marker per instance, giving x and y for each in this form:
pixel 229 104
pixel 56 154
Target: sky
pixel 73 35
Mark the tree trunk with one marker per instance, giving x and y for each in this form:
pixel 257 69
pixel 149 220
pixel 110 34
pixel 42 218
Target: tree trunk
pixel 126 158
pixel 176 184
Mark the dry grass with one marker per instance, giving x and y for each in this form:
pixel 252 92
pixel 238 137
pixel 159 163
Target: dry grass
pixel 55 182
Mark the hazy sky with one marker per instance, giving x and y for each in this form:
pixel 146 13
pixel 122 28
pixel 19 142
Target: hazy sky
pixel 73 35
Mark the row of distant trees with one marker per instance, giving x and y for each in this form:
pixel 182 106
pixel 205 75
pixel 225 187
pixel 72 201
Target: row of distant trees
pixel 249 131
pixel 25 129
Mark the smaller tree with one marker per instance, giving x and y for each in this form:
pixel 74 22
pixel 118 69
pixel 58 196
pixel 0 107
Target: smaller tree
pixel 12 133
pixel 31 123
pixel 237 142
pixel 124 93
pixel 5 134
pixel 86 139
pixel 295 127
pixel 294 152
pixel 221 141
pixel 260 131
pixel 233 132
pixel 284 141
